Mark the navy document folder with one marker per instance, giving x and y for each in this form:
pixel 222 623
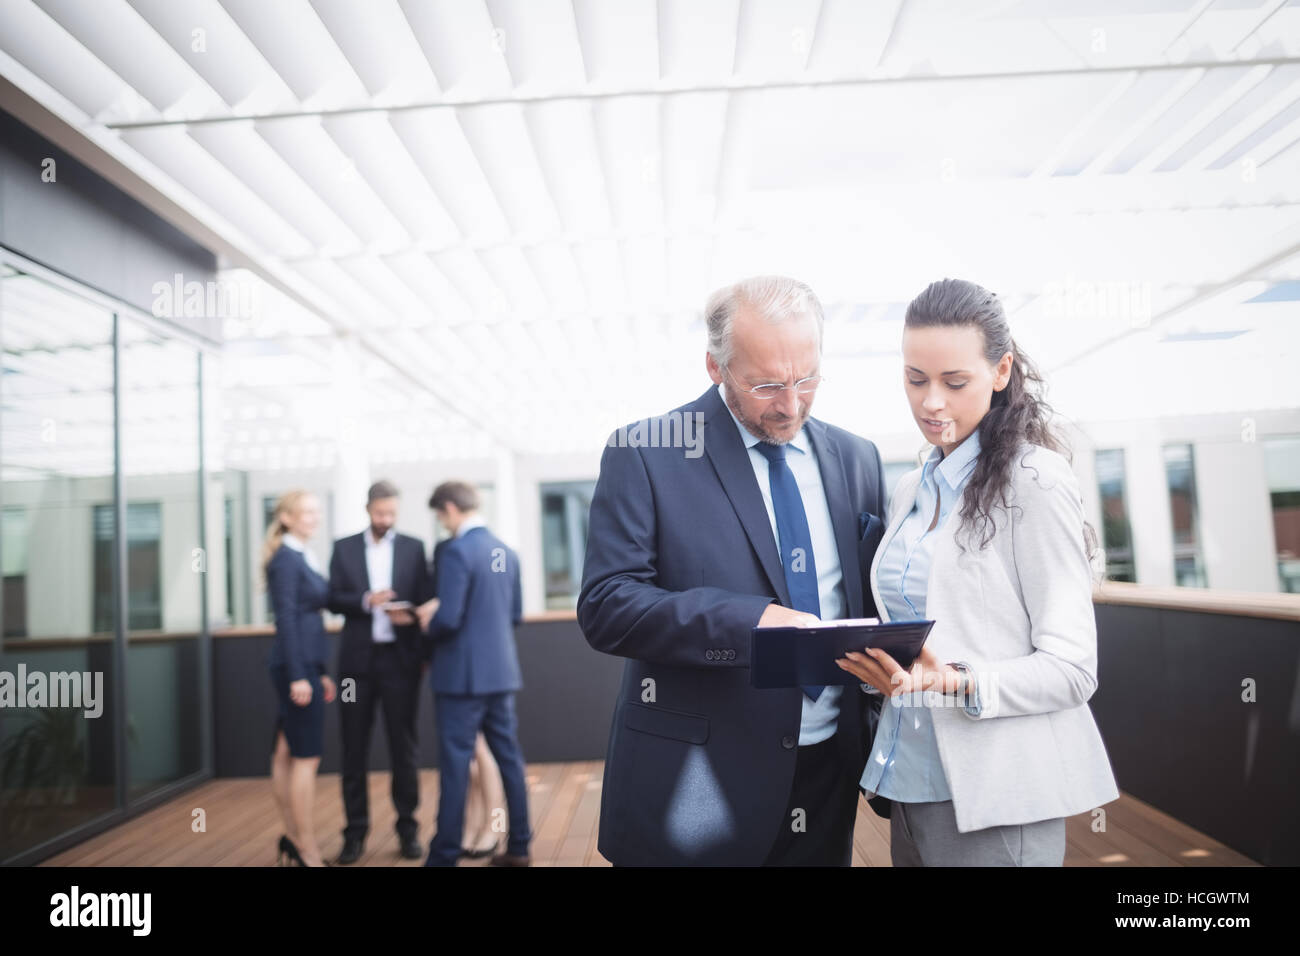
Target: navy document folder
pixel 799 656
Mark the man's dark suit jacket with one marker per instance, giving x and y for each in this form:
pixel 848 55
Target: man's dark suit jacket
pixel 680 564
pixel 439 550
pixel 350 579
pixel 480 600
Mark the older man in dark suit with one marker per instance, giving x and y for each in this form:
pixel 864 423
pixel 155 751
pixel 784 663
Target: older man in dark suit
pixel 733 511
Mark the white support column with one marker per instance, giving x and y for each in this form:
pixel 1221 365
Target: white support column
pixel 507 495
pixel 351 477
pixel 1234 515
pixel 1148 502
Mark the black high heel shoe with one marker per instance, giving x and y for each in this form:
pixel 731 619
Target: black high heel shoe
pixel 287 849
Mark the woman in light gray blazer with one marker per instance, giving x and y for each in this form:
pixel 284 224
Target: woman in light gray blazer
pixel 987 742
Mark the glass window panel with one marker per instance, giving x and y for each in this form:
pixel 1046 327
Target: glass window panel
pixel 13 555
pixel 1117 534
pixel 166 564
pixel 1180 475
pixel 1282 466
pixel 565 509
pixel 57 763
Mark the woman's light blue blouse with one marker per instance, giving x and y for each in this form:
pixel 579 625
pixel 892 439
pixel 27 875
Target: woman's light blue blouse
pixel 904 763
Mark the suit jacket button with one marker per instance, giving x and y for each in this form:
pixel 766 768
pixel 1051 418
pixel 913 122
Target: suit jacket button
pixel 708 655
pixel 787 742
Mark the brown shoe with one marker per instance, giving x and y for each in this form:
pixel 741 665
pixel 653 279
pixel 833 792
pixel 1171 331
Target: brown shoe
pixel 505 859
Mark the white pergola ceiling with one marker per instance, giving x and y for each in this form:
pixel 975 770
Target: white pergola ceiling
pixel 517 207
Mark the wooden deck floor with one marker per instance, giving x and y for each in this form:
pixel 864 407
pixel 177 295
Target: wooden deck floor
pixel 243 826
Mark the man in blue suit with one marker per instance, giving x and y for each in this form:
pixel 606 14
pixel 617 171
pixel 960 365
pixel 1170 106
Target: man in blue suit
pixel 734 511
pixel 470 633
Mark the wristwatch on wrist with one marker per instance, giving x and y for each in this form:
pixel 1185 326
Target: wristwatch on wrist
pixel 966 682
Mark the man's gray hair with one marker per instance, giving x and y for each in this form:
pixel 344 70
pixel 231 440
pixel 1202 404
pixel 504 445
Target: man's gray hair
pixel 774 298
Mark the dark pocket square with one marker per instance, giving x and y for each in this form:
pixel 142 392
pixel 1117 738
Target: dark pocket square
pixel 872 529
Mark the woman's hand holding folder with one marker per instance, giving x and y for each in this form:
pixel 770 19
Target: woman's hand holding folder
pixel 875 667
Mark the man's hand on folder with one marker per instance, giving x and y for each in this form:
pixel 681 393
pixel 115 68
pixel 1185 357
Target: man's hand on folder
pixel 774 615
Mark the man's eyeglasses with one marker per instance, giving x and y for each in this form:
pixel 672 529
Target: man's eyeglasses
pixel 805 386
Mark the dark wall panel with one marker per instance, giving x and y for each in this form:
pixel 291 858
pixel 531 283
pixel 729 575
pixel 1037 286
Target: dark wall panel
pixel 1180 737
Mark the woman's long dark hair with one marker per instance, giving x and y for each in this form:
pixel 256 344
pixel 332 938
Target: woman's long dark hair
pixel 1018 413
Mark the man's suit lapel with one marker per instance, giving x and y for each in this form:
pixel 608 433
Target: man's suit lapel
pixel 730 458
pixel 844 518
pixel 401 568
pixel 359 561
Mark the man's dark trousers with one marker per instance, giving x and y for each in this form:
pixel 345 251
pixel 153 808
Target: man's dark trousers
pixel 825 800
pixel 460 717
pixel 394 684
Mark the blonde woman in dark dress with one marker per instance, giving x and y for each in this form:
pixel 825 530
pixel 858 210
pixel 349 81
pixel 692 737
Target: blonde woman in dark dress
pixel 298 592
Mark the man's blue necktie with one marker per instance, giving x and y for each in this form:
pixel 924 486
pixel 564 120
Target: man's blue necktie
pixel 796 539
